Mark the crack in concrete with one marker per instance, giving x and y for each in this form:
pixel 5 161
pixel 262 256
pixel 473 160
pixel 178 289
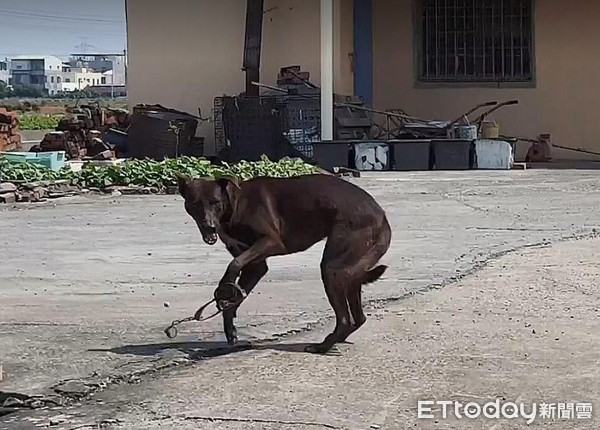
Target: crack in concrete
pixel 541 230
pixel 208 418
pixel 461 201
pixel 250 420
pixel 487 260
pixel 36 324
pixel 67 398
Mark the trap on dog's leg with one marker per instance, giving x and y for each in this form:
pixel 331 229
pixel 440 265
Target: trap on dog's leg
pixel 227 296
pixel 249 278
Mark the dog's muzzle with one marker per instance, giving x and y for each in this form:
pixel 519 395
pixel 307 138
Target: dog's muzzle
pixel 210 238
pixel 209 234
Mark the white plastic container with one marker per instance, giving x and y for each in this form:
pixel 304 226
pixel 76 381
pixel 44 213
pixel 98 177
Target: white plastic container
pixel 371 156
pixel 494 155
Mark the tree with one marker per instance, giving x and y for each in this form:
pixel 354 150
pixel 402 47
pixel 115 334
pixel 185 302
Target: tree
pixel 28 91
pixel 5 90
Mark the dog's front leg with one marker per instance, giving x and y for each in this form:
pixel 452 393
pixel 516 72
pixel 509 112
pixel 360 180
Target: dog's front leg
pixel 234 246
pixel 261 250
pixel 252 266
pixel 251 275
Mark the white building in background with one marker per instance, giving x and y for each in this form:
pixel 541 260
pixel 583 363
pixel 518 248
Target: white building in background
pixel 115 63
pixel 78 78
pixel 36 70
pixel 5 70
pixel 55 75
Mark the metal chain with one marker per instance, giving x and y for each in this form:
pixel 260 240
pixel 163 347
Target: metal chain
pixel 222 306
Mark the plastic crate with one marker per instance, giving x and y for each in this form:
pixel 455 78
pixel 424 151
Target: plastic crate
pixel 54 160
pixel 328 155
pixel 371 155
pixel 411 155
pixel 19 157
pixel 453 154
pixel 493 155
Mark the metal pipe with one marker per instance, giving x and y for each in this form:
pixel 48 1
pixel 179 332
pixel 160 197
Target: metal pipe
pixel 346 105
pixel 326 69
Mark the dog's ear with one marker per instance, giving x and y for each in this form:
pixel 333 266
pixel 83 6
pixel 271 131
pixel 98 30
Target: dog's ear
pixel 183 182
pixel 224 181
pixel 228 185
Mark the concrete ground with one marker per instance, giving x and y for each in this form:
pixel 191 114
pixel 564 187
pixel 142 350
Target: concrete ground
pixel 83 288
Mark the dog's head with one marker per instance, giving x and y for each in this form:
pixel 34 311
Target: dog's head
pixel 207 201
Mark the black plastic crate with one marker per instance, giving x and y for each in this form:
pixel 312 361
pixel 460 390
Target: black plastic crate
pixel 411 155
pixel 453 154
pixel 328 155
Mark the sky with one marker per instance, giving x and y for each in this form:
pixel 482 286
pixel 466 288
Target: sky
pixel 61 27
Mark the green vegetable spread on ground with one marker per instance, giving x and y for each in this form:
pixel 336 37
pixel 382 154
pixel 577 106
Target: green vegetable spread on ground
pixel 150 173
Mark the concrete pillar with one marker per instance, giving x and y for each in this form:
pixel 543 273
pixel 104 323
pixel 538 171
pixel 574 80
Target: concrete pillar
pixel 327 69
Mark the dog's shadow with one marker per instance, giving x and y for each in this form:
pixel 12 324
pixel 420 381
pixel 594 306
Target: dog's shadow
pixel 205 349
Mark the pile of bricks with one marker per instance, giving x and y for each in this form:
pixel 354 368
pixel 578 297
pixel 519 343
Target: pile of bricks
pixel 10 137
pixel 33 192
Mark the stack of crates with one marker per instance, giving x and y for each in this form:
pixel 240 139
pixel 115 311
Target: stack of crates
pixel 302 122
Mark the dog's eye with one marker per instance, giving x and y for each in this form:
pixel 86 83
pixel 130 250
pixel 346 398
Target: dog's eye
pixel 214 202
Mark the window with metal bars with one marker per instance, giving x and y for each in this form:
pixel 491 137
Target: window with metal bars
pixel 475 41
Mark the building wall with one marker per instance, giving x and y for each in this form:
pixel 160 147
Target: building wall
pixel 184 69
pixel 52 83
pixel 292 35
pixel 102 64
pixel 118 69
pixel 188 69
pixel 67 86
pixel 4 75
pixel 563 103
pixel 20 65
pixel 39 71
pixel 86 78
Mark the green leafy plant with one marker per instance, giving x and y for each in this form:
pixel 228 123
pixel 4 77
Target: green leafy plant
pixel 150 173
pixel 38 122
pixel 30 172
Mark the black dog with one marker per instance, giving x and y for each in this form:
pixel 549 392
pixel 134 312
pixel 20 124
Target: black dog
pixel 266 217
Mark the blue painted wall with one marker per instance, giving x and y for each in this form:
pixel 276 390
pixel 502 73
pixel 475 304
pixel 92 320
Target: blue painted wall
pixel 363 50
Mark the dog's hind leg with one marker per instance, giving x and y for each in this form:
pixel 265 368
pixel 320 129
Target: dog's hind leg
pixel 336 276
pixel 249 278
pixel 363 274
pixel 354 292
pixel 356 310
pixel 336 284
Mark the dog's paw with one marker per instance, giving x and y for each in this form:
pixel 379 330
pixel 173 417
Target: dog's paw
pixel 318 348
pixel 232 337
pixel 313 349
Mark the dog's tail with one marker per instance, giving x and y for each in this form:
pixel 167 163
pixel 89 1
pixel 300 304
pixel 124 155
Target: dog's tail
pixel 374 274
